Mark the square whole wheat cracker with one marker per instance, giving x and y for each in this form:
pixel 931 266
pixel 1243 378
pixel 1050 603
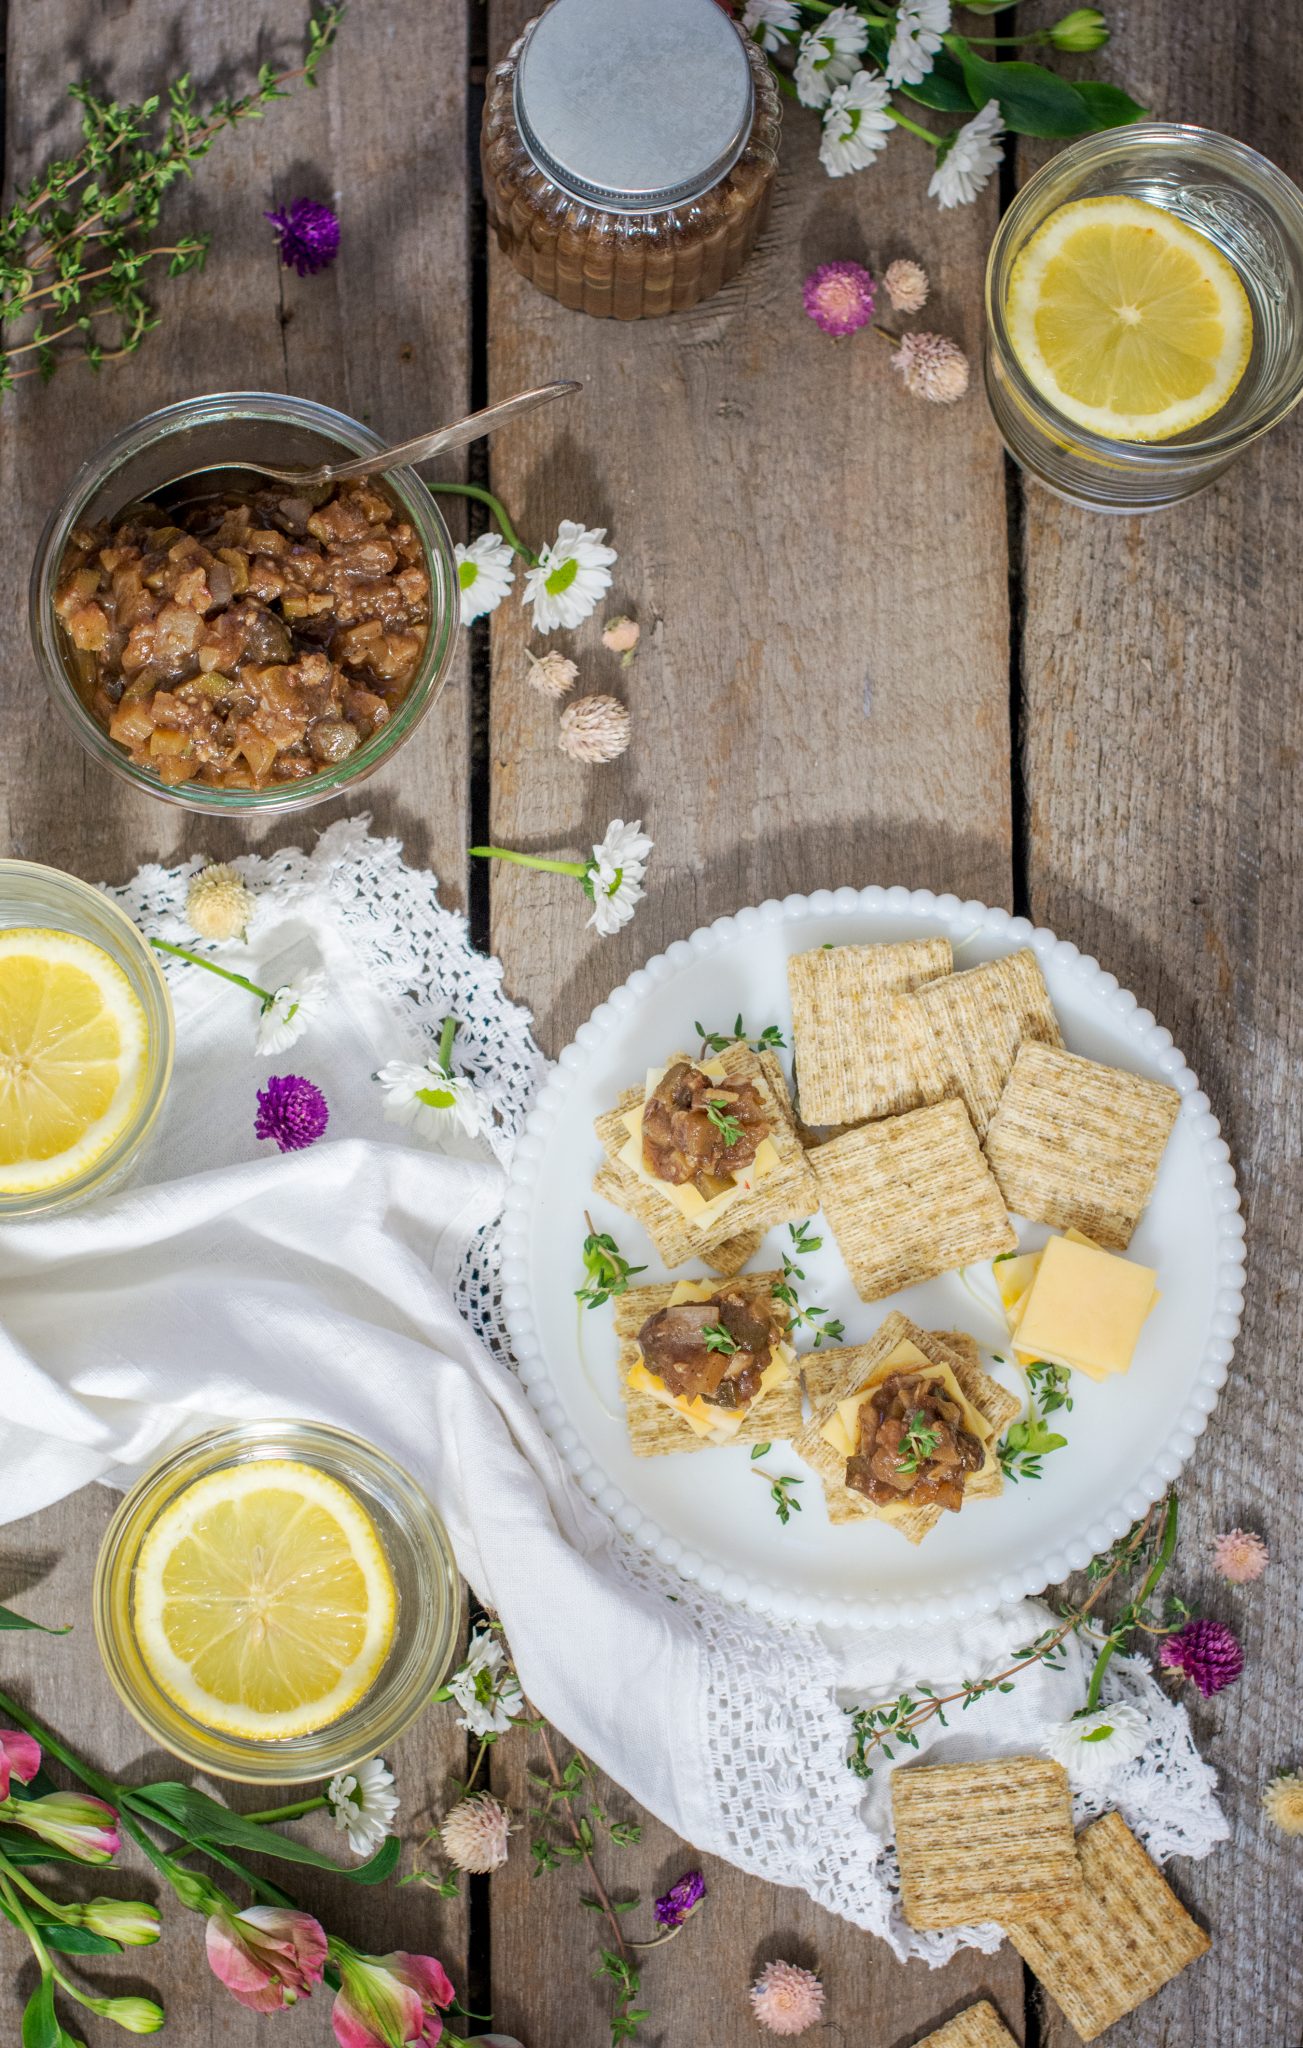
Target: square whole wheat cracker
pixel 851 1063
pixel 988 1841
pixel 1119 1941
pixel 786 1195
pixel 654 1429
pixel 910 1196
pixel 961 1034
pixel 979 2027
pixel 1077 1144
pixel 833 1378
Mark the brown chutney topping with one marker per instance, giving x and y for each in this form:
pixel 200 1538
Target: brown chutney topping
pixel 250 640
pixel 699 1131
pixel 914 1447
pixel 727 1369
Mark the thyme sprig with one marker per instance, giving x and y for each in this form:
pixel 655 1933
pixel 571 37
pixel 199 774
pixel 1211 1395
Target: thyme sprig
pixel 1025 1443
pixel 608 1271
pixel 876 1728
pixel 823 1327
pixel 917 1444
pixel 729 1127
pixel 78 240
pixel 769 1040
pixel 716 1338
pixel 780 1486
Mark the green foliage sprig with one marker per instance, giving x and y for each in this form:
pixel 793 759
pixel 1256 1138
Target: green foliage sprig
pixel 77 242
pixel 822 1327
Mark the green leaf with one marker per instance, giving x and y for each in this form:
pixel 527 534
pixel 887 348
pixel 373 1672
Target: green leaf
pixel 8 1619
pixel 41 2027
pixel 200 1819
pixel 24 1848
pixel 1109 106
pixel 1033 101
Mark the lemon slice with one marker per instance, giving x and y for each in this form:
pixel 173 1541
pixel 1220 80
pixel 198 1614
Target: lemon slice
pixel 1128 321
pixel 72 1056
pixel 263 1602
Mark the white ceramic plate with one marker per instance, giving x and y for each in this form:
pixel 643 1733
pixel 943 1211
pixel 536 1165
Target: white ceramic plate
pixel 707 1514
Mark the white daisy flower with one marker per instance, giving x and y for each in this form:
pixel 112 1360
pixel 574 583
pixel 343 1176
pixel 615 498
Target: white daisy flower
pixel 363 1804
pixel 289 1010
pixel 920 25
pixel 771 22
pixel 484 575
pixel 433 1103
pixel 856 125
pixel 1092 1746
pixel 829 56
pixel 485 1689
pixel 968 163
pixel 614 878
pixel 570 577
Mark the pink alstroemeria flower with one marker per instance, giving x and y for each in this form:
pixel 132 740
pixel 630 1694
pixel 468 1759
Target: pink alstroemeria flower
pixel 267 1956
pixel 20 1757
pixel 389 2001
pixel 87 1828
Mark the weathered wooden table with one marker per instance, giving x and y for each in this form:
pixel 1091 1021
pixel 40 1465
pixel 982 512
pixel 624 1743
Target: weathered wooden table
pixel 870 653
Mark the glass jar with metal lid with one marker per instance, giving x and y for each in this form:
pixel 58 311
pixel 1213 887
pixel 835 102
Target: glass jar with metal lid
pixel 629 149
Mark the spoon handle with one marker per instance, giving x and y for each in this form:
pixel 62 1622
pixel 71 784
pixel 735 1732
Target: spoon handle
pixel 456 436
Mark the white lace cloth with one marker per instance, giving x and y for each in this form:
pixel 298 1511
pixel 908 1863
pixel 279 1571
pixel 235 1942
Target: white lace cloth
pixel 613 1648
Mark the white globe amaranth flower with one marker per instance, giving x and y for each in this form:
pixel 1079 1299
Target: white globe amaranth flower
pixel 615 874
pixel 966 168
pixel 856 125
pixel 484 575
pixel 289 1010
pixel 363 1804
pixel 829 56
pixel 570 576
pixel 1091 1747
pixel 485 1688
pixel 920 26
pixel 771 22
pixel 426 1099
pixel 476 1834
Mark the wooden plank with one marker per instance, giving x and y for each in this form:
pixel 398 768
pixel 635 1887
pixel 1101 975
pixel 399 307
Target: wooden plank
pixel 1164 729
pixel 382 335
pixel 818 563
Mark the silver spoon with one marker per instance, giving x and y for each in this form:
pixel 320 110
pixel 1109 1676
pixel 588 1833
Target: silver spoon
pixel 457 435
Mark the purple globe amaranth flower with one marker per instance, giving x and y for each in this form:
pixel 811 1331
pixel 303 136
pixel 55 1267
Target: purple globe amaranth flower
pixel 839 297
pixel 681 1899
pixel 292 1111
pixel 307 234
pixel 1207 1652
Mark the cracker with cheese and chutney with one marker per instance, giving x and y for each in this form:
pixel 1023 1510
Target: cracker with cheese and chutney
pixel 960 1035
pixel 851 1061
pixel 909 1197
pixel 706 1156
pixel 904 1427
pixel 705 1363
pixel 1077 1145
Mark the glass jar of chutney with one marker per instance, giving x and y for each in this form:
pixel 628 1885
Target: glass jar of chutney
pixel 629 150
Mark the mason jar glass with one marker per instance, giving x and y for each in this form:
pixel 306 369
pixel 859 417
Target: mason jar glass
pixel 1254 215
pixel 225 430
pixel 416 1547
pixel 44 899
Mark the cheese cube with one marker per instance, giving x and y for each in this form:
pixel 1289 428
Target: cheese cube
pixel 1085 1308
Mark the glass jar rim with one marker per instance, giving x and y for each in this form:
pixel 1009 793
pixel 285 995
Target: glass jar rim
pixel 1098 147
pixel 338 429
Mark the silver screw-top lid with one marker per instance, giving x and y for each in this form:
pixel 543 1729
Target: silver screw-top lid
pixel 635 105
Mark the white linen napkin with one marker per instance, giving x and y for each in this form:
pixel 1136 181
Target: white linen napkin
pixel 230 1282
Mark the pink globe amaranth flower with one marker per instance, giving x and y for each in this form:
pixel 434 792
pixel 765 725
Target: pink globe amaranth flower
pixel 20 1757
pixel 1206 1652
pixel 266 1956
pixel 1239 1556
pixel 87 1828
pixel 839 297
pixel 787 1999
pixel 389 2001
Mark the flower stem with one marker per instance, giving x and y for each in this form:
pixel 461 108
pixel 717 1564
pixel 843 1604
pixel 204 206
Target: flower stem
pixel 914 127
pixel 104 1788
pixel 531 860
pixel 264 995
pixel 480 1755
pixel 782 81
pixel 496 507
pixel 34 1893
pixel 599 1889
pixel 447 1033
pixel 24 1920
pixel 293 1811
pixel 1152 1576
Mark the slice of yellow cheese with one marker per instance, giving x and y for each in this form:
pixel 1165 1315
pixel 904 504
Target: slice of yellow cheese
pixel 842 1429
pixel 715 1425
pixel 1014 1278
pixel 1084 1309
pixel 691 1204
